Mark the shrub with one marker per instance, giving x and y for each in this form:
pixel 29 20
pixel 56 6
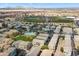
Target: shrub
pixel 77 48
pixel 44 47
pixel 62 49
pixel 1 49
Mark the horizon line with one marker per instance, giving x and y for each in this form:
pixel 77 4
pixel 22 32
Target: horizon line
pixel 39 5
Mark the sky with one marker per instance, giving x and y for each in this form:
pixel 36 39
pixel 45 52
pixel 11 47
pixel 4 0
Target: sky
pixel 40 5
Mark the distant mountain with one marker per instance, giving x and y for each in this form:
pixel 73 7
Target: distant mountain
pixel 23 8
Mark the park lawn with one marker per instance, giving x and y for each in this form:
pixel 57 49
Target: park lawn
pixel 24 38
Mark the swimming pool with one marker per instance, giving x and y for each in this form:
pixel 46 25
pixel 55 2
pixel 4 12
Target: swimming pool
pixel 30 33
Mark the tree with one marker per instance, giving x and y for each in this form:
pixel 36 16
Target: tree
pixel 1 49
pixel 77 49
pixel 44 47
pixel 62 49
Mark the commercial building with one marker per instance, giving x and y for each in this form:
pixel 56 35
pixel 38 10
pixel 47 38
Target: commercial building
pixel 40 39
pixel 34 51
pixel 67 30
pixel 22 45
pixel 67 45
pixel 53 42
pixel 46 52
pixel 57 30
pixel 9 52
pixel 76 31
pixel 76 41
